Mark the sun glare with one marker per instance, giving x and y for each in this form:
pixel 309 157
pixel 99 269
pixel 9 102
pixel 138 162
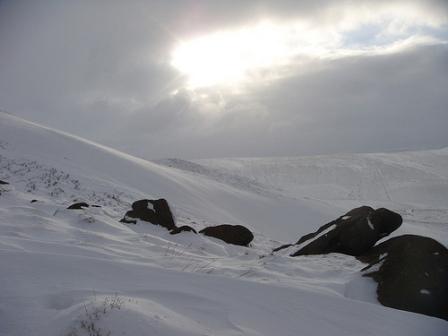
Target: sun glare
pixel 231 57
pixel 225 58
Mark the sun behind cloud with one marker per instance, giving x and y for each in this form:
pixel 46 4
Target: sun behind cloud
pixel 226 57
pixel 234 56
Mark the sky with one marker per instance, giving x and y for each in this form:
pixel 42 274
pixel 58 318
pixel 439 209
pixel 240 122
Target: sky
pixel 204 79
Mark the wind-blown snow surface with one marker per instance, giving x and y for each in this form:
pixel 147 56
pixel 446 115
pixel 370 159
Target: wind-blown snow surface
pixel 65 271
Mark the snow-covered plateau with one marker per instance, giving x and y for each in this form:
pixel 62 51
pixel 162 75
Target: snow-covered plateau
pixel 82 272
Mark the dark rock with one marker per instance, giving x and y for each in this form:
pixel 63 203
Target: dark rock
pixel 140 205
pixel 95 206
pixel 3 182
pixel 157 212
pixel 353 233
pixel 412 276
pixel 78 206
pixel 33 201
pixel 184 228
pixel 164 214
pixel 146 215
pixel 385 221
pixel 127 220
pixel 231 234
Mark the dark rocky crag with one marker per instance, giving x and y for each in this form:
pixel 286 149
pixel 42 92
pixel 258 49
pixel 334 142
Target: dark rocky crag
pixel 231 234
pixel 157 212
pixel 412 274
pixel 353 233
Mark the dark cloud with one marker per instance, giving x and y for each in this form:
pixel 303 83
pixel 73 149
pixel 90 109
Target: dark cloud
pixel 101 70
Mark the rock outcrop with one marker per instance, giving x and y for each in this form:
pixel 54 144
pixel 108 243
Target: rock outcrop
pixel 412 274
pixel 231 234
pixel 157 212
pixel 353 233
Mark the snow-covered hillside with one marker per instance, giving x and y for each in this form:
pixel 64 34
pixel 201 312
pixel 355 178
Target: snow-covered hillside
pixel 82 272
pixel 415 184
pixel 418 179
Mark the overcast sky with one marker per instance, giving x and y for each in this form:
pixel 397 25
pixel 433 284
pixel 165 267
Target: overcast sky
pixel 199 79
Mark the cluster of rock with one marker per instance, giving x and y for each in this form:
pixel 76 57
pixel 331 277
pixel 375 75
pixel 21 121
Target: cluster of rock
pixel 158 212
pixel 411 271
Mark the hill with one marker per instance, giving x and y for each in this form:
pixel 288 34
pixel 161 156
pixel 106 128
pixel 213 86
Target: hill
pixel 82 272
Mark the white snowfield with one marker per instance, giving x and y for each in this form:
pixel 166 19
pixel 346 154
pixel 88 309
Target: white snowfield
pixel 82 272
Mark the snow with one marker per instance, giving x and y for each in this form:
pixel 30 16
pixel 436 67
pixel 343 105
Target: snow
pixel 412 178
pixel 414 184
pixel 62 268
pixel 369 223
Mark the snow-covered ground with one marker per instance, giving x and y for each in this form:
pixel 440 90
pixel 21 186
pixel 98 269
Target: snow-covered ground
pixel 81 272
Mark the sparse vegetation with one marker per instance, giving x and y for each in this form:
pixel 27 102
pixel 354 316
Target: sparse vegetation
pixel 35 178
pixel 88 322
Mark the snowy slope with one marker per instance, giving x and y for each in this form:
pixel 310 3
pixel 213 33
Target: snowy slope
pixel 415 184
pixel 65 271
pixel 415 178
pixel 95 165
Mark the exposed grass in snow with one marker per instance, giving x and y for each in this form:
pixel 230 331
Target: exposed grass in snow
pixel 94 313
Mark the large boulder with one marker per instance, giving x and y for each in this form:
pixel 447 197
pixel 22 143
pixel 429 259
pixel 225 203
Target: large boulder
pixel 157 212
pixel 412 274
pixel 353 233
pixel 231 234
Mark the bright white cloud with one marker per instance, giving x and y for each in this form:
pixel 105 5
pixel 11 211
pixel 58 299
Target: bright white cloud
pixel 230 57
pixel 226 57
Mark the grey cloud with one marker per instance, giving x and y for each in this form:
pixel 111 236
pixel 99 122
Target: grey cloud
pixel 101 70
pixel 375 103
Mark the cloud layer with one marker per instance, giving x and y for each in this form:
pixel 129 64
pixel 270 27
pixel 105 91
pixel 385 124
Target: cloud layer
pixel 104 71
